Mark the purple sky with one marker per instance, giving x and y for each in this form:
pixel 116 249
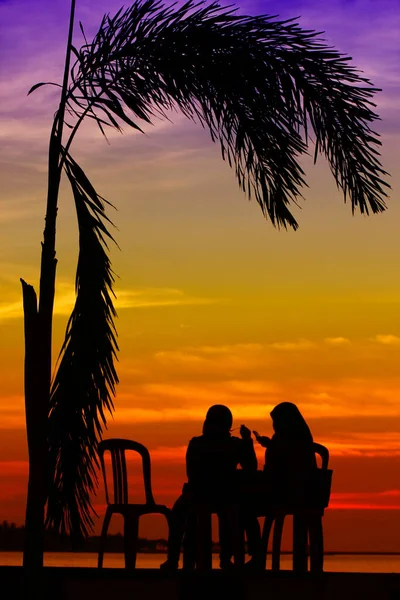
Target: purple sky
pixel 33 36
pixel 33 39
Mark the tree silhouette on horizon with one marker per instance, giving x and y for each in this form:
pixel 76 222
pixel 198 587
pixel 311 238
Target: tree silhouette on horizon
pixel 262 87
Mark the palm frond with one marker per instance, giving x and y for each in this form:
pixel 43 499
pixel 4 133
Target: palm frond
pixel 258 84
pixel 262 87
pixel 84 385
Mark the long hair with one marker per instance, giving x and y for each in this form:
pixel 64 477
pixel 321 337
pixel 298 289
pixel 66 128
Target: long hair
pixel 290 423
pixel 218 421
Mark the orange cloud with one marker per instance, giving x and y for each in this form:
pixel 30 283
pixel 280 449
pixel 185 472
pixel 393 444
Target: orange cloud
pixel 301 344
pixel 386 500
pixel 364 444
pixel 387 340
pixel 337 341
pixel 125 299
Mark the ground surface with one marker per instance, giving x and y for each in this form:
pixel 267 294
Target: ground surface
pixel 148 584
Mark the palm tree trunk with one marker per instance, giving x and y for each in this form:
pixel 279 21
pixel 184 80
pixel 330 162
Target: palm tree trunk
pixel 38 350
pixel 38 337
pixel 35 408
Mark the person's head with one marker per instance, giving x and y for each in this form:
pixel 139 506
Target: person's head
pixel 288 422
pixel 218 420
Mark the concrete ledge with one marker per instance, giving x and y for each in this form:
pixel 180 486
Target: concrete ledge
pixel 63 583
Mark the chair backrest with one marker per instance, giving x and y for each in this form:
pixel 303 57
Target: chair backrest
pixel 117 448
pixel 323 452
pixel 321 479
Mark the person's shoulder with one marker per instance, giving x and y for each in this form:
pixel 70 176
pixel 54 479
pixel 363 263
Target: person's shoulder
pixel 278 443
pixel 236 441
pixel 195 440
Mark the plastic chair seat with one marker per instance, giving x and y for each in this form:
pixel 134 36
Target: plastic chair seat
pixel 129 511
pixel 306 525
pixel 307 522
pixel 198 536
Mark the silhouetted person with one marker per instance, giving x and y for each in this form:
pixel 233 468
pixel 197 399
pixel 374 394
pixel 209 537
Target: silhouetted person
pixel 211 463
pixel 289 457
pixel 289 460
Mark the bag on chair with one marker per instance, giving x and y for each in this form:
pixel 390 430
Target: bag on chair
pixel 320 485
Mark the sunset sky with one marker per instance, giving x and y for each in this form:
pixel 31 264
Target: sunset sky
pixel 214 304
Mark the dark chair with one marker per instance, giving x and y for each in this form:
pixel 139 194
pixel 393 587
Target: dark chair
pixel 307 522
pixel 197 545
pixel 130 512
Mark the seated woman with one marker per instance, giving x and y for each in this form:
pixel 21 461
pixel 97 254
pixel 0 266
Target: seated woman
pixel 211 462
pixel 289 461
pixel 289 457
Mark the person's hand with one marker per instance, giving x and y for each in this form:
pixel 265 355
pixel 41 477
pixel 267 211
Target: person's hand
pixel 245 432
pixel 263 440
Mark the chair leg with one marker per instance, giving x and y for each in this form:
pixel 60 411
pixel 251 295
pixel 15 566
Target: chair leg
pixel 316 544
pixel 276 542
pixel 131 539
pixel 103 536
pixel 300 530
pixel 189 543
pixel 237 528
pixel 268 522
pixel 238 546
pixel 204 541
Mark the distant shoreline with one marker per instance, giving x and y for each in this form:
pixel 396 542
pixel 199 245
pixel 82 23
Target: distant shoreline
pixel 287 552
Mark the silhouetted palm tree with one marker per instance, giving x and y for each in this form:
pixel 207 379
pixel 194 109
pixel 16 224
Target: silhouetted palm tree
pixel 261 87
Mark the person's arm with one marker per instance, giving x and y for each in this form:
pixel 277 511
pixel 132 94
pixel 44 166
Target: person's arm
pixel 277 456
pixel 248 458
pixel 263 440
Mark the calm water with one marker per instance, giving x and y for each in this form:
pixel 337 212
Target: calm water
pixel 351 563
